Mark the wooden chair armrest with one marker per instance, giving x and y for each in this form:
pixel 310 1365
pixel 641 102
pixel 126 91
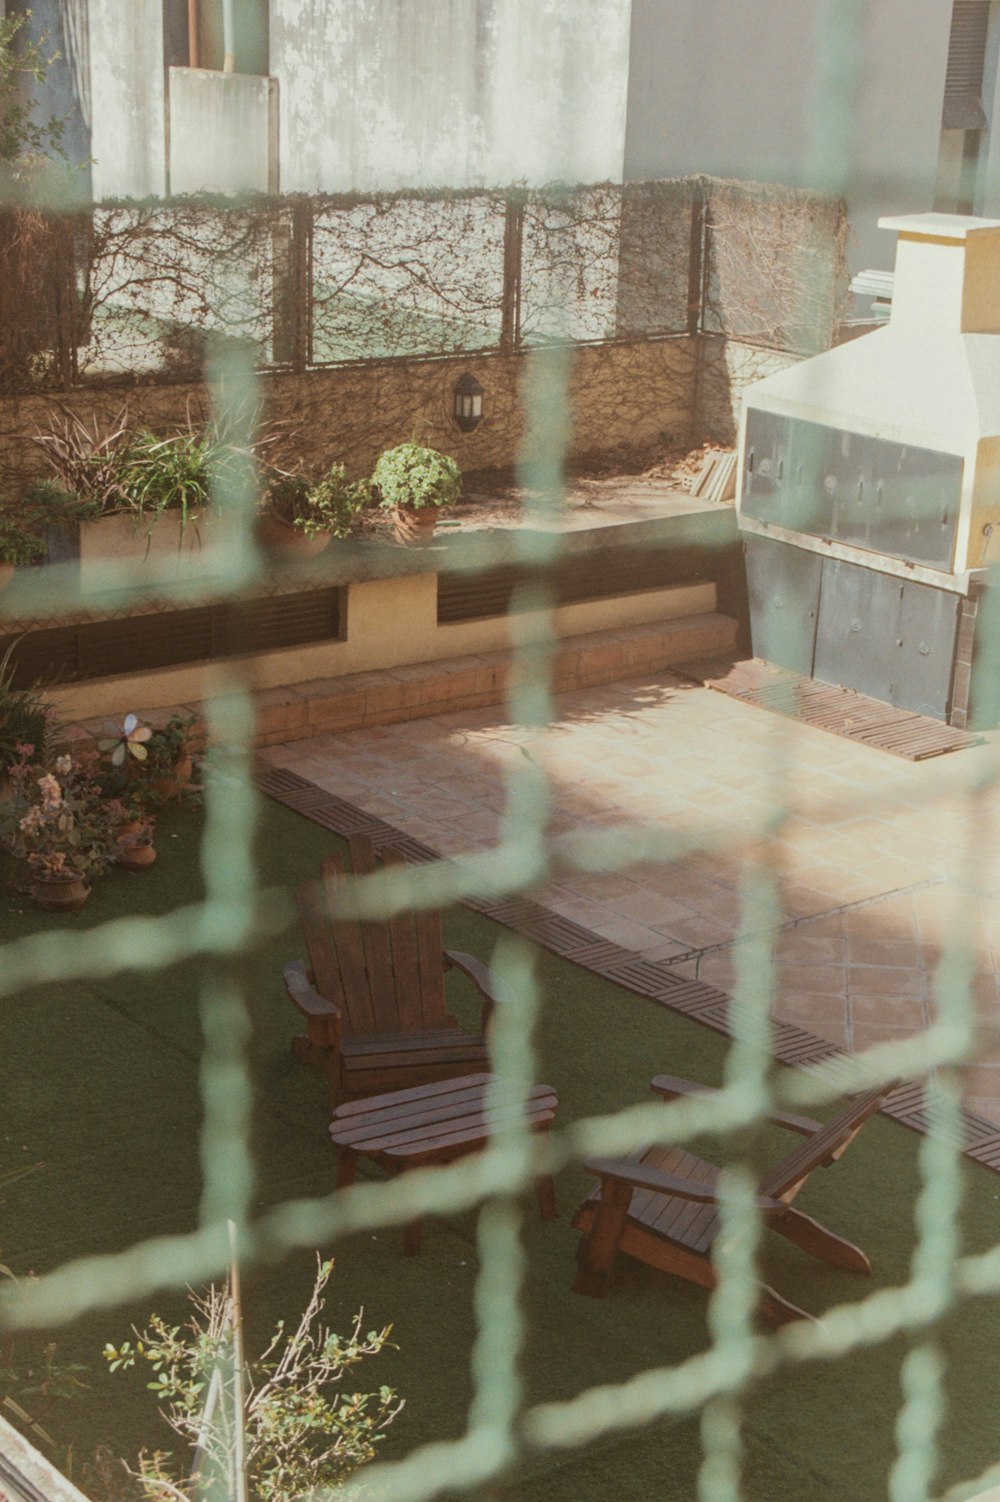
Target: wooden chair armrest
pixel 671 1088
pixel 303 995
pixel 480 975
pixel 641 1176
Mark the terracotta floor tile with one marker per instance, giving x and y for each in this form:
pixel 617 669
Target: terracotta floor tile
pixel 813 980
pixel 885 980
pixel 866 1035
pixel 629 935
pixel 906 953
pixel 887 1011
pixel 803 946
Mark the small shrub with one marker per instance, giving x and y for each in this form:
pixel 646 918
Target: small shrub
pixel 410 476
pixel 328 505
pixel 302 1431
pixel 168 474
pixel 18 543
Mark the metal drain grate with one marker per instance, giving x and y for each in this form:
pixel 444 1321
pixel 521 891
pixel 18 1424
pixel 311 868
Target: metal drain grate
pixel 824 706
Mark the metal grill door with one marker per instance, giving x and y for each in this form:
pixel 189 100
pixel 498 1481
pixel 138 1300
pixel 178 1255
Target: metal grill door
pixel 890 638
pixel 783 584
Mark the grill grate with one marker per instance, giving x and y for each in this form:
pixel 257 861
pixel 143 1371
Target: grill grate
pixel 825 706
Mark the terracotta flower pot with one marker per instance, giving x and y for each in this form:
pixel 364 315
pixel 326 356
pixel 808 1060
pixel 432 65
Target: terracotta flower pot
pixel 281 537
pixel 173 786
pixel 414 525
pixel 136 857
pixel 59 896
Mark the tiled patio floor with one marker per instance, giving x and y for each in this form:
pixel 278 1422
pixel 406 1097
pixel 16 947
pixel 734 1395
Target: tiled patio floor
pixel 878 857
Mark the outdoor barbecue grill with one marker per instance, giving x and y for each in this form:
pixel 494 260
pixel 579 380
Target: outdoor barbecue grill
pixel 869 492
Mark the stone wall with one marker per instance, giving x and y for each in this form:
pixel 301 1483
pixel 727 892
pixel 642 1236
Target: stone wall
pixel 623 396
pixel 726 367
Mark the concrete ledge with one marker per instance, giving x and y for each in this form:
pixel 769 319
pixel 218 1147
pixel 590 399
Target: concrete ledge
pixel 326 705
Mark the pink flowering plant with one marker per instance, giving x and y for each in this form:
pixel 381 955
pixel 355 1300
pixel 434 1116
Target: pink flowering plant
pixel 56 818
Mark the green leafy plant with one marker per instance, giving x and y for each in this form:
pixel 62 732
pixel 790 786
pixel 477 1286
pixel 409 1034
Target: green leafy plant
pixel 57 818
pixel 142 766
pixel 47 504
pixel 26 717
pixel 18 544
pixel 170 743
pixel 23 137
pixel 301 1431
pixel 168 474
pixel 411 476
pixel 328 505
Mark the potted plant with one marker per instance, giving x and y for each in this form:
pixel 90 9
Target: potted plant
pixel 18 545
pixel 299 518
pixel 56 886
pixel 88 461
pixel 144 766
pixel 134 849
pixel 414 483
pixel 59 823
pixel 161 474
pixel 139 496
pixel 170 765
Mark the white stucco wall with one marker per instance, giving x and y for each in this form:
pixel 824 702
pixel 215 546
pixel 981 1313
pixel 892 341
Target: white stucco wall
pixel 449 93
pixel 728 89
pixel 128 138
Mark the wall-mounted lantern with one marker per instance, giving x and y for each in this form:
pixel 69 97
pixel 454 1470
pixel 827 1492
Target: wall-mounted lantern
pixel 468 403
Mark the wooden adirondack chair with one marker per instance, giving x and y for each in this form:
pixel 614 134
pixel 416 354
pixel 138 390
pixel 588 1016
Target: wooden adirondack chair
pixel 659 1205
pixel 373 993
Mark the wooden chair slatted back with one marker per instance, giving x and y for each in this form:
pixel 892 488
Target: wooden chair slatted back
pixel 345 933
pixel 386 977
pixel 381 979
pixel 405 957
pixel 430 949
pixel 314 915
pixel 787 1177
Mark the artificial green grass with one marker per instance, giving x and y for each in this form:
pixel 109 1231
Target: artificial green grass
pixel 100 1083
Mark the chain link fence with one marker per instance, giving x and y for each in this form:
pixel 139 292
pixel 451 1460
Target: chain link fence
pixel 136 292
pixel 313 281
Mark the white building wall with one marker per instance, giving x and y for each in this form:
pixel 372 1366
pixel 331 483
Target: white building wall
pixel 728 88
pixel 128 139
pixel 222 132
pixel 448 93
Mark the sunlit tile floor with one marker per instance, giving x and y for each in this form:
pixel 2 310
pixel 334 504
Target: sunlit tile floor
pixel 880 862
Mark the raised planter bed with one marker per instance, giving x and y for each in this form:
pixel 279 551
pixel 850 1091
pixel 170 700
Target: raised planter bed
pixel 141 544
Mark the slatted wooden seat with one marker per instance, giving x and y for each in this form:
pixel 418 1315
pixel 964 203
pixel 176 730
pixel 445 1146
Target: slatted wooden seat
pixel 373 992
pixel 435 1124
pixel 659 1205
